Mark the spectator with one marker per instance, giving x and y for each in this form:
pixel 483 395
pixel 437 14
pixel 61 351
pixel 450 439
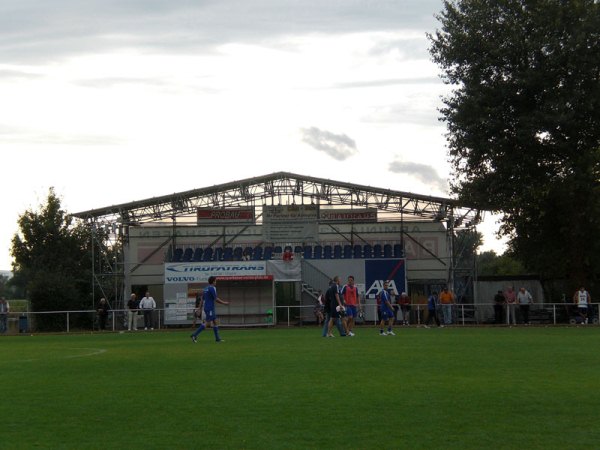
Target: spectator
pixel 132 310
pixel 432 303
pixel 511 302
pixel 447 300
pixel 524 299
pixel 319 308
pixel 404 303
pixel 499 302
pixel 287 254
pixel 102 310
pixel 4 310
pixel 582 299
pixel 147 305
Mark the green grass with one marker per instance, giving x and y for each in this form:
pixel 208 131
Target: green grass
pixel 461 388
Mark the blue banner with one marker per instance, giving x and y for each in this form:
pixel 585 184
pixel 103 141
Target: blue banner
pixel 379 270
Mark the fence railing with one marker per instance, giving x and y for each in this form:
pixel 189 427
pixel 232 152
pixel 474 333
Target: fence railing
pixel 299 315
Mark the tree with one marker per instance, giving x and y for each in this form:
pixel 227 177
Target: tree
pixel 489 263
pixel 524 123
pixel 52 258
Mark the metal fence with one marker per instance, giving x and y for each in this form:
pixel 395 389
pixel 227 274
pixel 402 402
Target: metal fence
pixel 462 315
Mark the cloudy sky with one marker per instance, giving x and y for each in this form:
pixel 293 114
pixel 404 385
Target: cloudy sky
pixel 110 101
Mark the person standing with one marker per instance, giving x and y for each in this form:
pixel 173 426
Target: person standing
pixel 387 312
pixel 4 310
pixel 499 302
pixel 102 310
pixel 198 307
pixel 511 305
pixel 210 299
pixel 432 303
pixel 404 303
pixel 132 310
pixel 447 300
pixel 524 300
pixel 352 303
pixel 336 308
pixel 147 305
pixel 582 299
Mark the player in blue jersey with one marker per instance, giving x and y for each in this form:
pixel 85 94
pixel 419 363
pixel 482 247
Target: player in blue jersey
pixel 387 311
pixel 209 296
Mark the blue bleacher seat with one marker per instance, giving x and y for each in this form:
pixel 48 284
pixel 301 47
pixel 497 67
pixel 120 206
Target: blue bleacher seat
pixel 197 255
pixel 257 254
pixel 277 249
pixel 377 251
pixel 298 249
pixel 227 254
pixel 177 255
pixel 367 251
pixel 327 252
pixel 387 251
pixel 347 251
pixel 208 254
pixel 398 253
pixel 218 255
pixel 357 251
pixel 318 253
pixel 337 251
pixel 187 254
pixel 237 253
pixel 268 253
pixel 308 252
pixel 248 251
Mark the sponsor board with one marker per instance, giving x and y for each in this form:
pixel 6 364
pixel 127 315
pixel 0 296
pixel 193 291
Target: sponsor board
pixel 377 271
pixel 199 272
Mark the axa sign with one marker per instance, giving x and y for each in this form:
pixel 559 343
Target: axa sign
pixel 381 270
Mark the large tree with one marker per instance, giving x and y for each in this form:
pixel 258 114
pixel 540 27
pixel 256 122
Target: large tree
pixel 52 257
pixel 523 123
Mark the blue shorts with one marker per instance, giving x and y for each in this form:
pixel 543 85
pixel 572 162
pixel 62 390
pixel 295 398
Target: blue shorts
pixel 351 311
pixel 387 314
pixel 210 315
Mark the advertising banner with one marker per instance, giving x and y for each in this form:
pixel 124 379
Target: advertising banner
pixel 176 273
pixel 290 223
pixel 379 270
pixel 348 215
pixel 224 216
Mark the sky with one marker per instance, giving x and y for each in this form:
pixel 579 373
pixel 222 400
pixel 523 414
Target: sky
pixel 112 101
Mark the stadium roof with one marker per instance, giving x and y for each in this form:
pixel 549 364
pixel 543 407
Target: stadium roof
pixel 281 188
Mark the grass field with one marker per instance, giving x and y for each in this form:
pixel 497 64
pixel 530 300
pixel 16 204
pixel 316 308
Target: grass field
pixel 289 388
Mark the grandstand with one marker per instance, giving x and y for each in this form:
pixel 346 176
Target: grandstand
pixel 240 231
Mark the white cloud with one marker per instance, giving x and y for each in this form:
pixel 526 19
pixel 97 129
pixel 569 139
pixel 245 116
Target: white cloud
pixel 338 146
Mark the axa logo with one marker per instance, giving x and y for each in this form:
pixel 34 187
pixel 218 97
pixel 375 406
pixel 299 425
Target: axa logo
pixel 377 286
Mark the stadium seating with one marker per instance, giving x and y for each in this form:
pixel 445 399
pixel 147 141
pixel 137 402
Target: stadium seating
pixel 327 252
pixel 237 253
pixel 277 249
pixel 347 251
pixel 208 254
pixel 197 255
pixel 188 254
pixel 177 255
pixel 227 254
pixel 337 251
pixel 367 251
pixel 387 251
pixel 318 252
pixel 357 251
pixel 268 253
pixel 298 249
pixel 218 255
pixel 308 252
pixel 398 252
pixel 377 251
pixel 257 254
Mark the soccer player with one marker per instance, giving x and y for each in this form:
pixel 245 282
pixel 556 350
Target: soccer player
pixel 210 299
pixel 387 311
pixel 336 308
pixel 352 303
